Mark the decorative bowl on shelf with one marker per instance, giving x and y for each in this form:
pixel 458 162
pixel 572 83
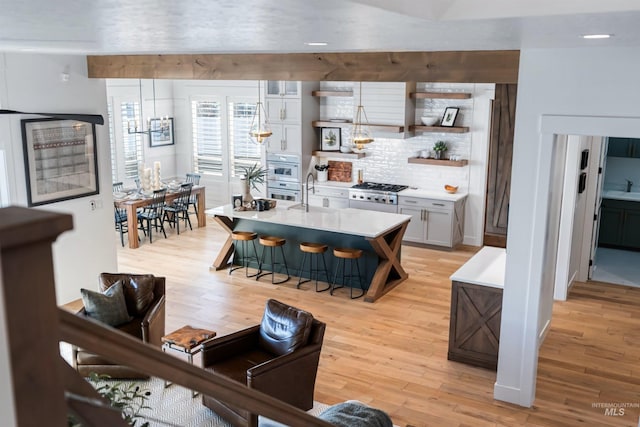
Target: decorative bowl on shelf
pixel 429 120
pixel 345 149
pixel 450 189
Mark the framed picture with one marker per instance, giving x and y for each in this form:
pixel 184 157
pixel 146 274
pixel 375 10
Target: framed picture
pixel 330 139
pixel 449 116
pixel 60 160
pixel 160 137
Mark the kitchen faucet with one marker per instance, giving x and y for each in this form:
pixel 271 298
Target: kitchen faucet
pixel 629 184
pixel 305 202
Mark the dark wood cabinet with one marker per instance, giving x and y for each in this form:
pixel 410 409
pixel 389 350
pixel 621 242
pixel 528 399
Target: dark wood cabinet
pixel 619 224
pixel 474 328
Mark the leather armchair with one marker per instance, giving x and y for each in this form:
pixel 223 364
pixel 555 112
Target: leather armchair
pixel 279 357
pixel 147 326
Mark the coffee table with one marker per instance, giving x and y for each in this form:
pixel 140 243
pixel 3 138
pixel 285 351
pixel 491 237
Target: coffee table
pixel 189 341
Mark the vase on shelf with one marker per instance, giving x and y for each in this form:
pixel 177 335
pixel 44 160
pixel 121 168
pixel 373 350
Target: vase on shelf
pixel 323 176
pixel 437 155
pixel 247 198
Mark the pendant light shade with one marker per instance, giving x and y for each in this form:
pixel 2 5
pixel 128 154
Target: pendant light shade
pixel 360 133
pixel 260 129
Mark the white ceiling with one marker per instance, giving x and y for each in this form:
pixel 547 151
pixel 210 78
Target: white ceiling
pixel 244 26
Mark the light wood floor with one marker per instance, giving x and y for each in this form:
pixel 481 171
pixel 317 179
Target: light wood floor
pixel 392 354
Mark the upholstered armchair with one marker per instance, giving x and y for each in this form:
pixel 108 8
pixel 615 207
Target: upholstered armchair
pixel 278 357
pixel 144 297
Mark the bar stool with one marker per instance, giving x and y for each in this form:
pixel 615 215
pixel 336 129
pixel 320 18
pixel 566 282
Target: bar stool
pixel 242 238
pixel 272 243
pixel 314 250
pixel 344 255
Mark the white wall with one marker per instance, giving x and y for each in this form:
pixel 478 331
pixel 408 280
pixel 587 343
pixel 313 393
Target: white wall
pixel 33 83
pixel 594 90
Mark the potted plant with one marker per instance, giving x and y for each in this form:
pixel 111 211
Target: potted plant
pixel 323 172
pixel 251 177
pixel 439 148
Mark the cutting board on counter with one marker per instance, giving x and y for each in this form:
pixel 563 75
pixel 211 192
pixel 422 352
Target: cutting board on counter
pixel 340 171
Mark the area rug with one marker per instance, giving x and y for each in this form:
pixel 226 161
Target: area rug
pixel 174 406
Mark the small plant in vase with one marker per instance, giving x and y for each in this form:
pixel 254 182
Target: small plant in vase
pixel 323 172
pixel 438 149
pixel 251 177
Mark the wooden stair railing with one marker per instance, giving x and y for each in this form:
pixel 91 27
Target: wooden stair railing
pixel 35 393
pixel 124 349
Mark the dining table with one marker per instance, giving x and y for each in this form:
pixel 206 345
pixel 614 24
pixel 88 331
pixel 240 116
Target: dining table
pixel 132 202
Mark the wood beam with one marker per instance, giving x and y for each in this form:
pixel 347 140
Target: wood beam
pixel 455 67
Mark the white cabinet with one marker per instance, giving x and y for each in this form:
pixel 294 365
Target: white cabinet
pixel 327 197
pixel 289 89
pixel 286 139
pixel 282 110
pixel 290 114
pixel 434 222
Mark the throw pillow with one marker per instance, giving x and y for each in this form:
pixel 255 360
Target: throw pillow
pixel 138 290
pixel 355 414
pixel 108 307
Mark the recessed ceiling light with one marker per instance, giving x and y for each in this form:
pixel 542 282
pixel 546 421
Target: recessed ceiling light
pixel 316 43
pixel 596 36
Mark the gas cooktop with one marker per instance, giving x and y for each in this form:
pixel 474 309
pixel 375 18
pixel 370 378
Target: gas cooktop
pixel 375 186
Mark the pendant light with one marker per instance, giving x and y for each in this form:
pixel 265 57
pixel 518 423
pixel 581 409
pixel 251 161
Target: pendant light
pixel 360 133
pixel 164 124
pixel 260 129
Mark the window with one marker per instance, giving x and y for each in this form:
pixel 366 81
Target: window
pixel 112 140
pixel 207 137
pixel 132 143
pixel 242 151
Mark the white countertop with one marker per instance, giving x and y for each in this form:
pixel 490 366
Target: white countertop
pixel 355 222
pixel 621 195
pixel 432 194
pixel 485 268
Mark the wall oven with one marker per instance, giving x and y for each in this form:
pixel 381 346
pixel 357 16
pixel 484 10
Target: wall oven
pixel 284 191
pixel 283 168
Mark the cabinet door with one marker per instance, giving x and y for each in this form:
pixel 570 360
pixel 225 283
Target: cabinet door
pixel 631 229
pixel 283 88
pixel 285 139
pixel 439 228
pixel 611 220
pixel 282 110
pixel 634 145
pixel 619 147
pixel 415 229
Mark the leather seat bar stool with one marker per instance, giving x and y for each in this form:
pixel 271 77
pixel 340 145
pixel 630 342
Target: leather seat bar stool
pixel 243 238
pixel 352 256
pixel 314 250
pixel 269 244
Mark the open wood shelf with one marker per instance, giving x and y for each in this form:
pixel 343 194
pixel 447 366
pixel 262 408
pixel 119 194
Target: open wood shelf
pixel 421 161
pixel 379 128
pixel 440 95
pixel 442 129
pixel 332 93
pixel 339 154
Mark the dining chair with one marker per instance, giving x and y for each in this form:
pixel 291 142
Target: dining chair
pixel 151 216
pixel 120 216
pixel 118 187
pixel 193 178
pixel 179 209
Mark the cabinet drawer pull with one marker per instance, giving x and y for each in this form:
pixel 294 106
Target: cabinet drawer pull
pixel 410 201
pixel 438 204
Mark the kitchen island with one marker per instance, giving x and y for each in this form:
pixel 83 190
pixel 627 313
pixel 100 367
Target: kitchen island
pixel 378 234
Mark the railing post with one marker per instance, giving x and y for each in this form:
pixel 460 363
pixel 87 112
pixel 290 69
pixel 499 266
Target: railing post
pixel 31 314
